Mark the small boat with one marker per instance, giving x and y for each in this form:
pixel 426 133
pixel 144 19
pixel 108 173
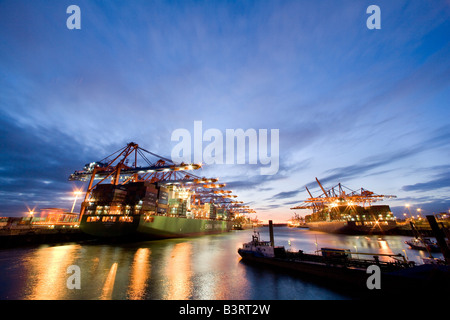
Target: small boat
pixel 423 244
pixel 432 260
pixel 259 248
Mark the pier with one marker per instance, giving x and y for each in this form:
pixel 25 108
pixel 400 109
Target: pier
pixel 40 235
pixel 54 226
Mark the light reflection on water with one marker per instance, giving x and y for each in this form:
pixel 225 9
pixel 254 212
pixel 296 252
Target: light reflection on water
pixel 47 269
pixel 139 274
pixel 178 272
pixel 197 268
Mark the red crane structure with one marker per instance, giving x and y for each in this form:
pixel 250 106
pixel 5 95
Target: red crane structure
pixel 122 167
pixel 339 195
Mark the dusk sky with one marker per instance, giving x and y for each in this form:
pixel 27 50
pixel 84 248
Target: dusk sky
pixel 365 107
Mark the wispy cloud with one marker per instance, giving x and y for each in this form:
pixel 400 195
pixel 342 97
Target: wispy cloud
pixel 35 165
pixel 286 194
pixel 440 138
pixel 349 102
pixel 435 184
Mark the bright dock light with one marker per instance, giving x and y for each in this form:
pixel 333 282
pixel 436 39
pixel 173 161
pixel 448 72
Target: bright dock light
pixel 76 193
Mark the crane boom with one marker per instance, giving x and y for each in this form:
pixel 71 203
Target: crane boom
pixel 321 187
pixel 338 196
pixel 163 171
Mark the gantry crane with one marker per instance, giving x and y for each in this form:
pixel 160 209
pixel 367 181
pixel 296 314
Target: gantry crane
pixel 338 195
pixel 118 169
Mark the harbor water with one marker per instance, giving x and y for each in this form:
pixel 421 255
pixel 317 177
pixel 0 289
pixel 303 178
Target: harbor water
pixel 197 268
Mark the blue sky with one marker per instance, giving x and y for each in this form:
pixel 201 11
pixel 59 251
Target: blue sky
pixel 367 108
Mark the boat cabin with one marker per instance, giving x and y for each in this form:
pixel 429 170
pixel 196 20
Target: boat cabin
pixel 263 248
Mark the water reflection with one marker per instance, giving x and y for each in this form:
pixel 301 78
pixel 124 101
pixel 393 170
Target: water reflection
pixel 217 273
pixel 384 247
pixel 205 267
pixel 139 274
pixel 109 283
pixel 47 272
pixel 207 270
pixel 179 272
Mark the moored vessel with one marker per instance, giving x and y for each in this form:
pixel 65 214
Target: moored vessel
pixel 146 210
pixel 347 211
pixel 151 226
pixel 296 222
pixel 241 222
pixel 160 200
pixel 425 244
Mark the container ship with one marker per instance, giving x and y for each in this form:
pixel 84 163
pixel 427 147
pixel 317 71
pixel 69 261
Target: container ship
pixel 296 222
pixel 341 210
pixel 156 201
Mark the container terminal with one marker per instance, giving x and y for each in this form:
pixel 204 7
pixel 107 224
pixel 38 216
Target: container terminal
pixel 131 196
pixel 135 193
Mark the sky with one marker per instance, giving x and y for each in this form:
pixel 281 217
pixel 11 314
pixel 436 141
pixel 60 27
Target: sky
pixel 362 107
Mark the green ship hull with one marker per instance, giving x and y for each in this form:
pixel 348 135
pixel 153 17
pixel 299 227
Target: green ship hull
pixel 150 227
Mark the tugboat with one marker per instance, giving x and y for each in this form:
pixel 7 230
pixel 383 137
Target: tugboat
pixel 423 244
pixel 260 249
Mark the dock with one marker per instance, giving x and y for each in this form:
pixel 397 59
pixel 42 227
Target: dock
pixel 32 235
